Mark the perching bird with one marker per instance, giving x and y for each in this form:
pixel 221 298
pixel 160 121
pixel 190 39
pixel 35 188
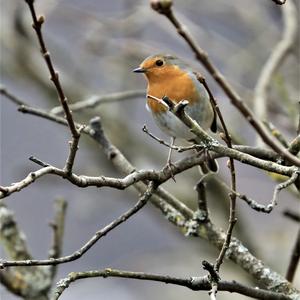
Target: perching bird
pixel 169 76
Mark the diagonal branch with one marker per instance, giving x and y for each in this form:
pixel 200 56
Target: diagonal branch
pixel 54 76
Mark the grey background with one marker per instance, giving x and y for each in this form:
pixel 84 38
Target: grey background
pixel 95 45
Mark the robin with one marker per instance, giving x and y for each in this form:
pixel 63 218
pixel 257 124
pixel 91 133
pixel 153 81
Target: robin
pixel 168 76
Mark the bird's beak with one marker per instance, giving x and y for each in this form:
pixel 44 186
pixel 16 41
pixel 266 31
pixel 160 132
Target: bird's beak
pixel 139 70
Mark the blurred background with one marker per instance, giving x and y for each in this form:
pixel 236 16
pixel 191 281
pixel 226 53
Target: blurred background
pixel 95 45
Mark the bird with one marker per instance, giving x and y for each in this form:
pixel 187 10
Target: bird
pixel 169 76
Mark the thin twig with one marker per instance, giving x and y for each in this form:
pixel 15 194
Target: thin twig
pixel 294 260
pixel 202 214
pixel 98 235
pixel 236 100
pixel 38 161
pixel 10 96
pixel 54 75
pixel 168 145
pixel 292 215
pixel 269 207
pixel 277 134
pixel 72 152
pixel 193 283
pixel 97 100
pixel 58 226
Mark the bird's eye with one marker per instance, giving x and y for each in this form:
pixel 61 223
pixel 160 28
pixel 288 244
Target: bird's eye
pixel 159 62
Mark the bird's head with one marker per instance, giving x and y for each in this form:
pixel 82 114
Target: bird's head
pixel 160 67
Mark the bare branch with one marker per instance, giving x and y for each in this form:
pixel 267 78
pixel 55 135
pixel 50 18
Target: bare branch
pixel 168 145
pixel 232 213
pixel 10 96
pixel 193 283
pixel 294 261
pixel 54 76
pixel 276 133
pixel 237 252
pixel 292 215
pixel 72 153
pixel 135 176
pixel 202 214
pixel 268 208
pixel 58 226
pixel 98 235
pixel 97 100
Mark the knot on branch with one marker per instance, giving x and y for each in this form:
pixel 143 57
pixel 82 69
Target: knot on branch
pixel 214 276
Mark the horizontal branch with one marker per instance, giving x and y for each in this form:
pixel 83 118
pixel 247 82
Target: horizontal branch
pixel 97 100
pixel 159 176
pixel 193 283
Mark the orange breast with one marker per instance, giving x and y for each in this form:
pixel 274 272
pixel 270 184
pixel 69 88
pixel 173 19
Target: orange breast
pixel 177 86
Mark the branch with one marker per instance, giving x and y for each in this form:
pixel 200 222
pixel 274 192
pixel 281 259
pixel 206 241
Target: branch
pixel 22 282
pixel 160 176
pixel 4 92
pixel 294 260
pixel 166 203
pixel 202 214
pixel 54 75
pixel 232 196
pixel 165 8
pixel 268 208
pixel 97 100
pixel 72 152
pixel 294 146
pixel 292 215
pixel 277 57
pixel 98 235
pixel 193 283
pixel 168 209
pixel 58 226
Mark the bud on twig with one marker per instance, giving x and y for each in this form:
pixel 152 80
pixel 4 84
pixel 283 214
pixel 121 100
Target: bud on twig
pixel 161 6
